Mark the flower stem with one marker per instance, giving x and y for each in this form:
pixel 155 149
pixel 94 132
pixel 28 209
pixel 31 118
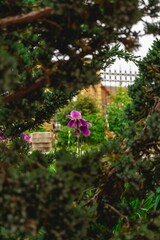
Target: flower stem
pixel 78 144
pixel 79 150
pixel 69 138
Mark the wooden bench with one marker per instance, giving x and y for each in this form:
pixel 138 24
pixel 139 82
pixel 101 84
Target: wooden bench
pixel 42 141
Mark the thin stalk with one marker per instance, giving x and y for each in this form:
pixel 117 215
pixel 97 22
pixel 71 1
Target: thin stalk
pixel 69 139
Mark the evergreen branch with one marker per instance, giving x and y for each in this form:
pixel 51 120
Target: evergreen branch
pixel 26 18
pixel 25 90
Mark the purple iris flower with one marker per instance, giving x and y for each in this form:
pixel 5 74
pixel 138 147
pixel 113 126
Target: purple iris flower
pixel 26 137
pixel 80 124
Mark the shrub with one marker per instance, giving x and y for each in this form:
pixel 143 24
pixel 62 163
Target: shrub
pixel 115 111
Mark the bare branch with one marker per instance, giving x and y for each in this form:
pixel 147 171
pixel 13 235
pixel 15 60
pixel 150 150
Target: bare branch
pixel 118 212
pixel 26 18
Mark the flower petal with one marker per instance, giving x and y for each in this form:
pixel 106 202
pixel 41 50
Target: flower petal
pixel 75 124
pixel 26 137
pixel 85 130
pixel 89 124
pixel 75 114
pixel 68 116
pixel 82 122
pixel 71 123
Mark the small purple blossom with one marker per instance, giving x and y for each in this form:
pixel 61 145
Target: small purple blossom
pixel 2 137
pixel 26 137
pixel 79 123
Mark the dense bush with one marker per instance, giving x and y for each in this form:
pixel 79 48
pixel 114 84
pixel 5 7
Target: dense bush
pixel 128 195
pixel 34 198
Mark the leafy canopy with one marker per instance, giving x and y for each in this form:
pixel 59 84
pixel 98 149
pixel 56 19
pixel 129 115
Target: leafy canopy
pixel 58 45
pixel 44 48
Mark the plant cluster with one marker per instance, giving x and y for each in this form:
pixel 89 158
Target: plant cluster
pixel 92 113
pixel 116 116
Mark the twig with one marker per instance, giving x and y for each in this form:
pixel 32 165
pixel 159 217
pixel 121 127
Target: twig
pixel 118 212
pixel 26 18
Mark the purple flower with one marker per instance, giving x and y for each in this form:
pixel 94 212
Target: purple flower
pixel 79 123
pixel 1 138
pixel 26 137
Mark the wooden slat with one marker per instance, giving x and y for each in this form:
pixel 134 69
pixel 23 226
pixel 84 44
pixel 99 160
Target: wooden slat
pixel 42 141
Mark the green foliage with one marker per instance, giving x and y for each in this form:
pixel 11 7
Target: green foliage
pixel 36 196
pixel 130 185
pixel 86 105
pixel 115 111
pixel 43 64
pixel 98 130
pixel 147 86
pixel 66 138
pixel 36 50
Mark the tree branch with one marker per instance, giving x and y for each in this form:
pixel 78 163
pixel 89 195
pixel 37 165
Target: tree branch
pixel 25 90
pixel 26 18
